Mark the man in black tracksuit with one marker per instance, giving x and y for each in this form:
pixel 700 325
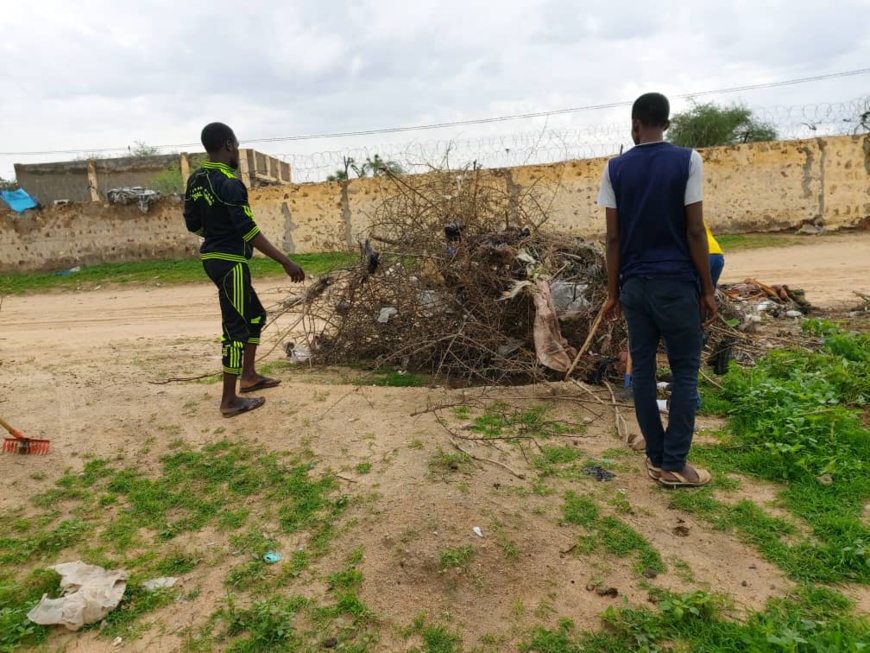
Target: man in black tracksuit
pixel 216 208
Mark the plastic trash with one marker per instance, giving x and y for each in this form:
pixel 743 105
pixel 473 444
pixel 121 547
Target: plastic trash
pixel 386 313
pixel 511 346
pixel 297 353
pixel 567 296
pixel 18 200
pixel 272 557
pixel 159 583
pixel 143 197
pixel 477 531
pixel 90 593
pixel 64 273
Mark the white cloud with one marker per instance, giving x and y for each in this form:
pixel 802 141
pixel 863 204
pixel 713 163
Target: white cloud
pixel 100 73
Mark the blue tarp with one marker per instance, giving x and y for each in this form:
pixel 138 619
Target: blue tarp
pixel 18 200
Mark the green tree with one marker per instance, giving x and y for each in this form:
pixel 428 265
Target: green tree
pixel 708 125
pixel 8 184
pixel 378 167
pixel 168 180
pixel 338 175
pixel 373 166
pixel 141 150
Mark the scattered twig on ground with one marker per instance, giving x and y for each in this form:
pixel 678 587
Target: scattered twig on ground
pixel 621 425
pixel 184 379
pixel 712 381
pixel 433 409
pixel 486 460
pixel 586 389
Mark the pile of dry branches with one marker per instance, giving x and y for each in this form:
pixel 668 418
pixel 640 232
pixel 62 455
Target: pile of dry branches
pixel 450 282
pixel 460 277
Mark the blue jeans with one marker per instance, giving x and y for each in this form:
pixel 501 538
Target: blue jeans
pixel 717 263
pixel 657 308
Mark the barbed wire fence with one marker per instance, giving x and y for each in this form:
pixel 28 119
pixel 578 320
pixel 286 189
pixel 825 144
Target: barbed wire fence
pixel 552 145
pixel 544 145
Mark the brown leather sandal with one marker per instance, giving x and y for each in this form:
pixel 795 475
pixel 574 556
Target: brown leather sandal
pixel 704 477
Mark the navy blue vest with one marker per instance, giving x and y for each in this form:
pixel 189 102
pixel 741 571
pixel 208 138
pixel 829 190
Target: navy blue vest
pixel 650 186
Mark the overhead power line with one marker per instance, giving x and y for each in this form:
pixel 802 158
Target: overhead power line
pixel 474 121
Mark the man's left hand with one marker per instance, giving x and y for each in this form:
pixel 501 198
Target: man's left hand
pixel 612 310
pixel 709 309
pixel 294 272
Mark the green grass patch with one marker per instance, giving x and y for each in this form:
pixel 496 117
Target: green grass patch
pixel 560 455
pixel 42 545
pixel 456 558
pixel 115 510
pixel 17 598
pixel 177 563
pixel 393 379
pixel 814 620
pixel 580 511
pixel 125 620
pixel 444 464
pixel 796 418
pixel 502 421
pixel 737 242
pixel 609 534
pixel 437 638
pixel 841 556
pixel 293 624
pixel 713 401
pixel 177 271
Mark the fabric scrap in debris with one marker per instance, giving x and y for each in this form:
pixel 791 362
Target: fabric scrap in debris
pixel 552 349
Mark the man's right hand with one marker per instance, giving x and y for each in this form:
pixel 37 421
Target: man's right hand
pixel 709 309
pixel 294 272
pixel 611 309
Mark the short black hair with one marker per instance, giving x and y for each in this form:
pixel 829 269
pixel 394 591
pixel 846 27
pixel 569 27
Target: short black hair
pixel 214 135
pixel 652 109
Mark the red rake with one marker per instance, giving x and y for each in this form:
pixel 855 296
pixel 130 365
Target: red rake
pixel 21 444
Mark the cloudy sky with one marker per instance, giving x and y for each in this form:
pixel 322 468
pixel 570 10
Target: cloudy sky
pixel 96 74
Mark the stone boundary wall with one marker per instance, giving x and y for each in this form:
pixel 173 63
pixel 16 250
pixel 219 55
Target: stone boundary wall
pixel 754 187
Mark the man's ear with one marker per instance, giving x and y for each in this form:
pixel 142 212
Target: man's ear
pixel 667 125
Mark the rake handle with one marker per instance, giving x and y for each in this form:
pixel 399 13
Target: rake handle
pixel 12 431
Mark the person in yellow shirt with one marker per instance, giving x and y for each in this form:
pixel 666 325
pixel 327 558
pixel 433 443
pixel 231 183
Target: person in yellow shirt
pixel 717 257
pixel 717 264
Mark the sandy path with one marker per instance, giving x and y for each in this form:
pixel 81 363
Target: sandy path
pixel 827 268
pixel 74 319
pixel 76 366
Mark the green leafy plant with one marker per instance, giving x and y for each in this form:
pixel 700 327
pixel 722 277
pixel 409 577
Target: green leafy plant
pixel 797 418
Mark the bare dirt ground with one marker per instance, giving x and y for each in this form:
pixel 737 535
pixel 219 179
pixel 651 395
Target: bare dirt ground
pixel 828 268
pixel 77 368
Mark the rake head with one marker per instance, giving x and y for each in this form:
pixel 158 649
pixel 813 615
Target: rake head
pixel 26 446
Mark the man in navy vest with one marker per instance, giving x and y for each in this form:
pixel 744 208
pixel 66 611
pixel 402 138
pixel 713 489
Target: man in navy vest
pixel 659 276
